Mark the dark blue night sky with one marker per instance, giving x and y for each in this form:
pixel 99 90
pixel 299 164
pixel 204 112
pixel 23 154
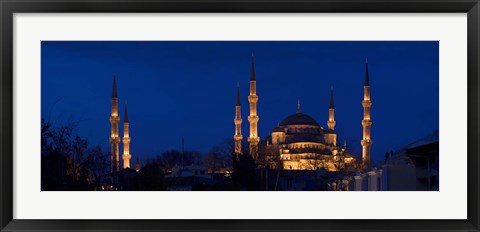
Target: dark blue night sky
pixel 188 89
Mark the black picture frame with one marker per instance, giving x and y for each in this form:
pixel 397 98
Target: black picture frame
pixel 9 7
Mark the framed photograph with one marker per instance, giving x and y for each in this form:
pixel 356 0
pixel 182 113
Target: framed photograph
pixel 237 115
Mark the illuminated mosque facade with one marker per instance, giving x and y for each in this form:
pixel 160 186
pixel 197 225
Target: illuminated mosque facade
pixel 299 142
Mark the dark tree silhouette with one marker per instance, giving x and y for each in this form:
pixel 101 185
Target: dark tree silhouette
pixel 150 178
pixel 172 158
pixel 269 158
pixel 219 156
pixel 244 171
pixel 67 162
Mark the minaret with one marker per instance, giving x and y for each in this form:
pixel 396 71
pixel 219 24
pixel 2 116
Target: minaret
pixel 331 112
pixel 253 139
pixel 330 135
pixel 126 140
pixel 366 122
pixel 238 137
pixel 114 137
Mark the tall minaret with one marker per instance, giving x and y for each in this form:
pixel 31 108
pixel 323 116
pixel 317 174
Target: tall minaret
pixel 366 122
pixel 331 112
pixel 126 140
pixel 238 137
pixel 114 119
pixel 253 139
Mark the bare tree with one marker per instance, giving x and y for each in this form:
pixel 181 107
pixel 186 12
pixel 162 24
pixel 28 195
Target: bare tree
pixel 169 159
pixel 314 162
pixel 220 155
pixel 67 161
pixel 214 158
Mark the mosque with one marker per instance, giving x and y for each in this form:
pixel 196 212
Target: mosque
pixel 299 142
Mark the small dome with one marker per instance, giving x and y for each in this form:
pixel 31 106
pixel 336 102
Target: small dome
pixel 298 119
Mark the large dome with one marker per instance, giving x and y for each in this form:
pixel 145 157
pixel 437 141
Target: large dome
pixel 298 119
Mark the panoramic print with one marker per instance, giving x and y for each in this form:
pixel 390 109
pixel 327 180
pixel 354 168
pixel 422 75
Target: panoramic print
pixel 239 116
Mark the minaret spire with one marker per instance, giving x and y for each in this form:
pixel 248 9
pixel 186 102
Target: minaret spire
pixel 331 112
pixel 238 137
pixel 238 95
pixel 331 98
pixel 366 122
pixel 126 112
pixel 126 140
pixel 367 79
pixel 330 135
pixel 114 135
pixel 299 109
pixel 252 69
pixel 253 139
pixel 114 88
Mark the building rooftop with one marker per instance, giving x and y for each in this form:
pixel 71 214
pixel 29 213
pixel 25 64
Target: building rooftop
pixel 298 119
